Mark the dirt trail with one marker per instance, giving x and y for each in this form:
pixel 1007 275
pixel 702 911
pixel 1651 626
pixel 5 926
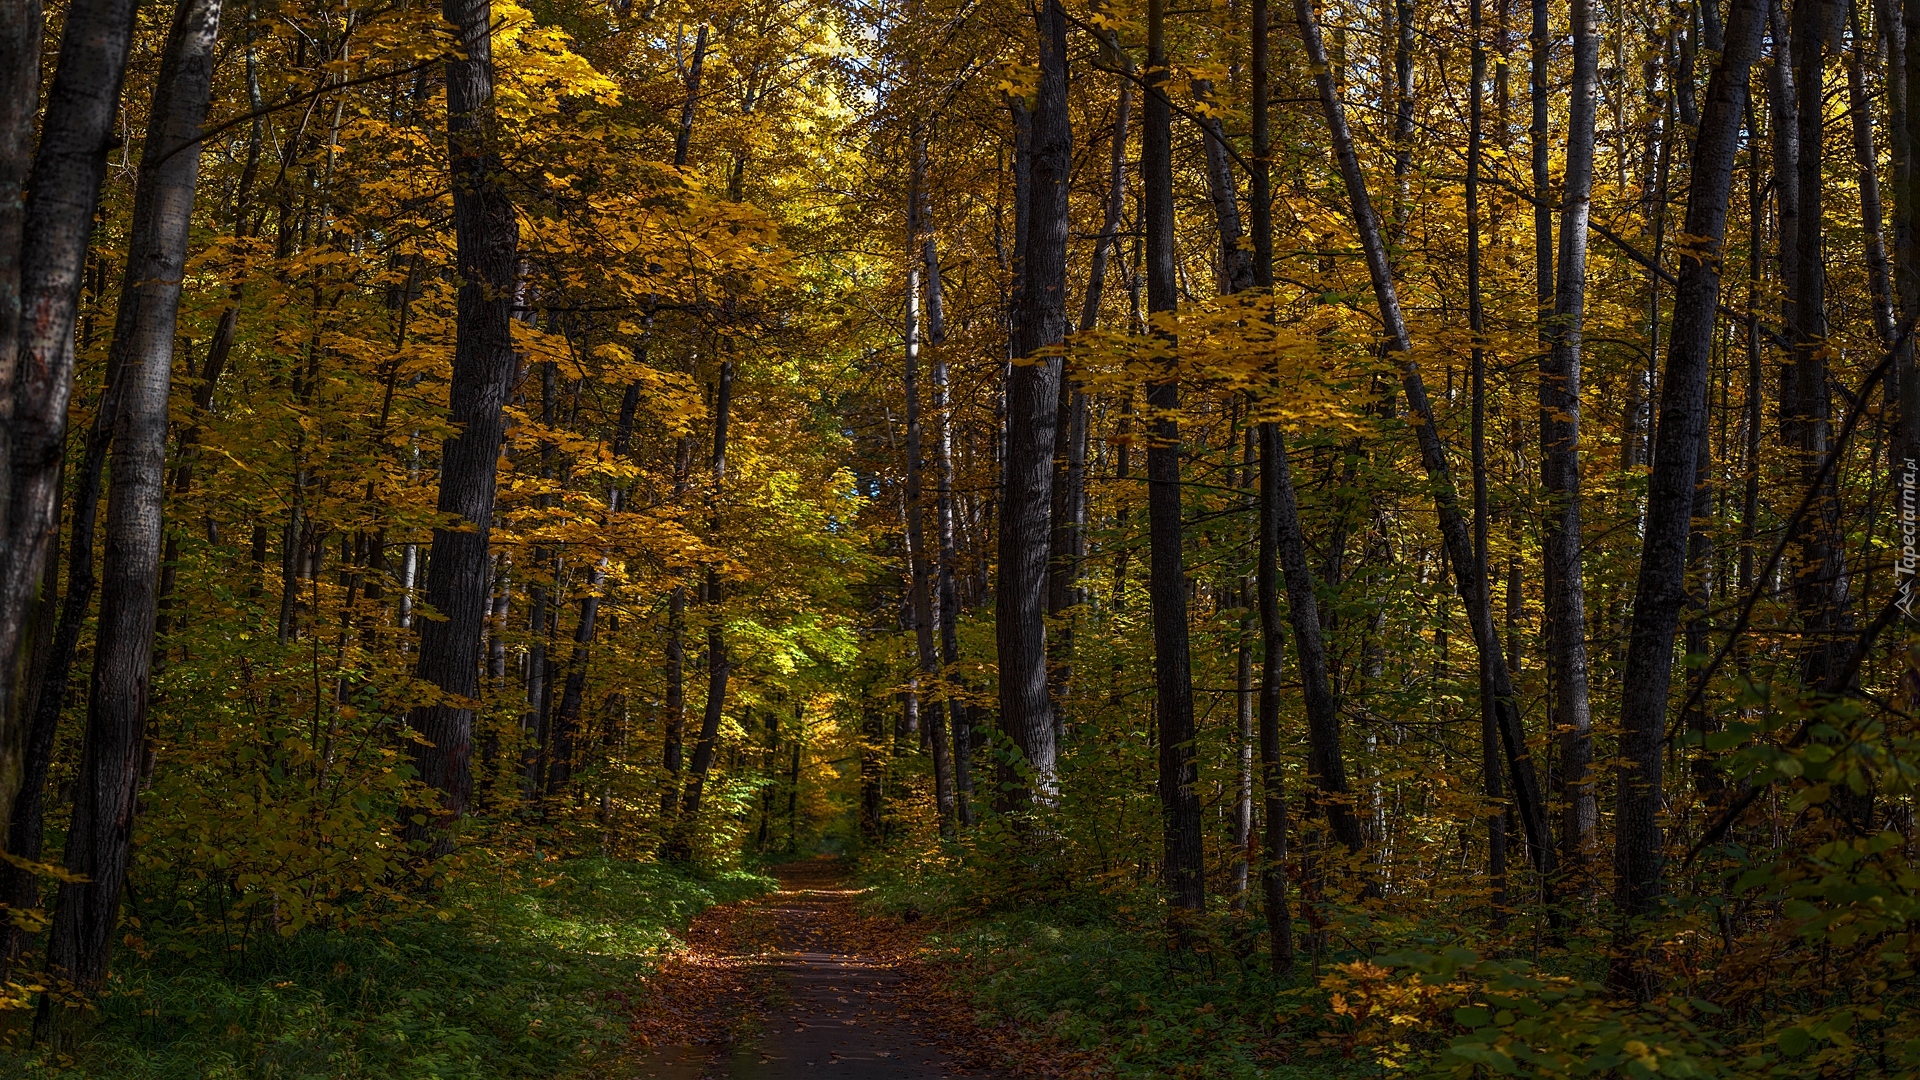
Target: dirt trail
pixel 799 984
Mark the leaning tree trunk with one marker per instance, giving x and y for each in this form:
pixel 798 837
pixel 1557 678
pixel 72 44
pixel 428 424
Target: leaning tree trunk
pixel 1236 262
pixel 1033 390
pixel 1661 587
pixel 1560 456
pixel 487 237
pixel 99 842
pixel 36 362
pixel 1167 580
pixel 719 666
pixel 1453 526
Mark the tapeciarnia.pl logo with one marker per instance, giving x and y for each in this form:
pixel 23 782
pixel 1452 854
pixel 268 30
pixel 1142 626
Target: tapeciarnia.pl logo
pixel 1905 568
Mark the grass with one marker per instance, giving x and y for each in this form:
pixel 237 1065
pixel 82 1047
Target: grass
pixel 1094 970
pixel 522 977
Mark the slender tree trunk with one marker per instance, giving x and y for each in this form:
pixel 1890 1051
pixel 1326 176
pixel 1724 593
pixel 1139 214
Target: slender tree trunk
pixel 1821 589
pixel 565 729
pixel 674 730
pixel 484 367
pixel 1490 779
pixel 949 592
pixel 918 564
pixel 1273 864
pixel 683 136
pixel 1785 110
pixel 1453 526
pixel 36 370
pixel 719 665
pixel 1661 588
pixel 1243 689
pixel 1402 117
pixel 99 841
pixel 1867 161
pixel 1033 391
pixel 1560 457
pixel 1236 262
pixel 1167 580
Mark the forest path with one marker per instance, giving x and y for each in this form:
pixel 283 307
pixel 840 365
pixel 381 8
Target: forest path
pixel 799 985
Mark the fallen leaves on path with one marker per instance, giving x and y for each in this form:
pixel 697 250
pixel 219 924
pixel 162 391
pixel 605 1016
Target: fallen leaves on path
pixel 717 989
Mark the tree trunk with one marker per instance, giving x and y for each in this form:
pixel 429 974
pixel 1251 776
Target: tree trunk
pixel 1236 262
pixel 1167 579
pixel 1867 163
pixel 1033 390
pixel 674 730
pixel 719 666
pixel 1821 589
pixel 1273 864
pixel 100 839
pixel 1903 58
pixel 484 366
pixel 918 564
pixel 1560 458
pixel 949 592
pixel 36 371
pixel 1661 587
pixel 1490 780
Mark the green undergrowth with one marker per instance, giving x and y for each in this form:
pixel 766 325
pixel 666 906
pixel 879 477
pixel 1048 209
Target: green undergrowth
pixel 521 976
pixel 1093 969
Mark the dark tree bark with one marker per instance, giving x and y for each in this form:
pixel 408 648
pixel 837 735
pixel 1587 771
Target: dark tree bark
pixel 1033 390
pixel 1273 863
pixel 1236 262
pixel 1903 57
pixel 99 842
pixel 21 28
pixel 1538 150
pixel 1490 779
pixel 565 729
pixel 673 734
pixel 919 566
pixel 567 718
pixel 484 366
pixel 683 136
pixel 1167 579
pixel 949 592
pixel 1820 586
pixel 1661 587
pixel 719 665
pixel 1566 607
pixel 36 364
pixel 1866 162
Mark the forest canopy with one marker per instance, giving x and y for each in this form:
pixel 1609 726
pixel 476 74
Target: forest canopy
pixel 1412 501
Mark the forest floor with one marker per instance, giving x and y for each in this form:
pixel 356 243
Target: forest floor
pixel 801 983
